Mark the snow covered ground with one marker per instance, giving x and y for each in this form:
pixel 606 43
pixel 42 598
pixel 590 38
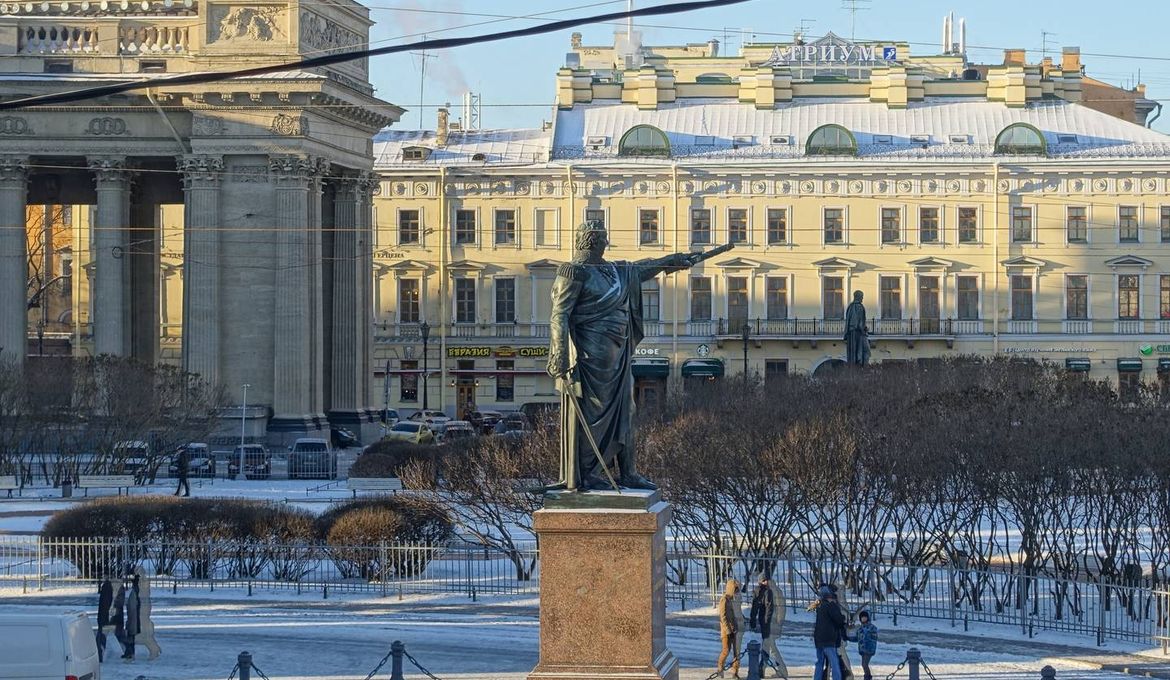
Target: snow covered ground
pixel 345 637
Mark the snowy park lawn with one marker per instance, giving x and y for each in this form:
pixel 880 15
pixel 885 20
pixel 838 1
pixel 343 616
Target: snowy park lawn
pixel 346 636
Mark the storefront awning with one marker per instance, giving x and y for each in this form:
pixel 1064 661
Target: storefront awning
pixel 1129 365
pixel 651 368
pixel 702 368
pixel 1078 365
pixel 1164 365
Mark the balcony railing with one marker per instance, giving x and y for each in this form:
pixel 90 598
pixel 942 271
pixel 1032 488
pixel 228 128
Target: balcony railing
pixel 410 332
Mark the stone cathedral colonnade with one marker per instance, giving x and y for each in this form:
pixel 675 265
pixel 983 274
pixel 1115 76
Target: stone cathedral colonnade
pixel 273 174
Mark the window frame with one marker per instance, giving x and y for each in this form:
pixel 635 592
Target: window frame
pixel 1000 149
pixel 786 279
pixel 1164 223
pixel 691 297
pixel 883 310
pixel 1164 296
pixel 1032 281
pixel 1032 236
pixel 844 225
pixel 496 227
pixel 644 152
pixel 824 279
pixel 1137 238
pixel 604 216
pixel 710 226
pixel 747 299
pixel 658 214
pixel 474 299
pixel 398 316
pixel 1137 297
pixel 850 150
pixel 939 228
pixel 455 227
pixel 1088 218
pixel 901 214
pixel 657 290
pixel 404 377
pixel 940 292
pixel 505 376
pixel 787 211
pixel 1088 315
pixel 747 240
pixel 418 242
pixel 496 299
pixel 978 297
pixel 556 240
pixel 959 225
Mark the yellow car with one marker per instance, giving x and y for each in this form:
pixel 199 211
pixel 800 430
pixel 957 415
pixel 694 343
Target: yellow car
pixel 411 431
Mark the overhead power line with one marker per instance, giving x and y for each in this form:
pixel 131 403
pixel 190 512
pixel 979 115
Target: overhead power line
pixel 342 57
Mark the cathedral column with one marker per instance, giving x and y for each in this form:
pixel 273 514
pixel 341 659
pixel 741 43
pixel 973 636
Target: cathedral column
pixel 13 259
pixel 352 327
pixel 111 316
pixel 292 399
pixel 201 288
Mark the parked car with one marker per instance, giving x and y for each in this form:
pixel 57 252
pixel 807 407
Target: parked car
pixel 429 416
pixel 133 458
pixel 343 438
pixel 49 647
pixel 540 411
pixel 200 461
pixel 311 458
pixel 454 430
pixel 390 417
pixel 487 420
pixel 411 431
pixel 257 462
pixel 513 424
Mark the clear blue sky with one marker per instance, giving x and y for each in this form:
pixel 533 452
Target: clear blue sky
pixel 517 78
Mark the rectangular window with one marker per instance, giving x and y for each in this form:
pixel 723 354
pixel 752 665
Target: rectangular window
pixel 1129 296
pixel 968 298
pixel 777 298
pixel 891 225
pixel 777 226
pixel 833 297
pixel 1164 297
pixel 1129 385
pixel 505 380
pixel 701 226
pixel 464 300
pixel 408 301
pixel 505 300
pixel 1165 224
pixel 409 227
pixel 700 298
pixel 651 300
pixel 595 215
pixel 1021 224
pixel 968 225
pixel 1021 298
pixel 545 227
pixel 647 226
pixel 409 386
pixel 737 225
pixel 737 302
pixel 505 227
pixel 775 370
pixel 1076 224
pixel 1076 297
pixel 928 225
pixel 891 300
pixel 464 227
pixel 929 310
pixel 1127 224
pixel 834 225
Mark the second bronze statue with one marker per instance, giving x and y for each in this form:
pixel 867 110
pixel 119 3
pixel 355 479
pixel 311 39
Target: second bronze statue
pixel 596 324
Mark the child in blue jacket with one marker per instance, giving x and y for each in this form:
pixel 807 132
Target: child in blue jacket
pixel 867 637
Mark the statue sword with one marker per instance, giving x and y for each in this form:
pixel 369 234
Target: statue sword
pixel 589 433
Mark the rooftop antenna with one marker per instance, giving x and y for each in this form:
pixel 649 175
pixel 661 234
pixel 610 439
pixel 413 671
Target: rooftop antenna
pixel 422 80
pixel 801 31
pixel 471 111
pixel 630 20
pixel 1044 36
pixel 853 7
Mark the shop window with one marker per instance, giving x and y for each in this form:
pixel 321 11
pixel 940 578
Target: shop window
pixel 409 391
pixel 505 380
pixel 1129 386
pixel 775 370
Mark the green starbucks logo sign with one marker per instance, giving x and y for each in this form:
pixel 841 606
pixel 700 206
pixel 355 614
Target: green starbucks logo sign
pixel 1146 350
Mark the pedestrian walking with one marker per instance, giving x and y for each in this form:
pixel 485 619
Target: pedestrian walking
pixel 183 463
pixel 866 638
pixel 105 603
pixel 127 620
pixel 767 616
pixel 828 631
pixel 730 627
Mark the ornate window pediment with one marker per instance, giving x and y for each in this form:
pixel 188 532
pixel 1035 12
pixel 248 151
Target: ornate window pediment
pixel 834 263
pixel 931 263
pixel 1129 261
pixel 1024 262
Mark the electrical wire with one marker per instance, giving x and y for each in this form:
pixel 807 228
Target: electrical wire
pixel 342 57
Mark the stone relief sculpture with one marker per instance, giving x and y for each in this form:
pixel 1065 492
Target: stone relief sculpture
pixel 254 24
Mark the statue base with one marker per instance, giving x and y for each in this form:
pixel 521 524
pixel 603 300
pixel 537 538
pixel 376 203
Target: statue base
pixel 603 587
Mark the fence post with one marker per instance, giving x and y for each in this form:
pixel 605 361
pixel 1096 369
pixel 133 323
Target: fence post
pixel 1048 673
pixel 754 670
pixel 1101 611
pixel 396 651
pixel 951 591
pixel 913 660
pixel 385 566
pixel 245 662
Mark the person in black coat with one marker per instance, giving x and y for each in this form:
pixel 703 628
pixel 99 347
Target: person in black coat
pixel 828 632
pixel 183 463
pixel 105 601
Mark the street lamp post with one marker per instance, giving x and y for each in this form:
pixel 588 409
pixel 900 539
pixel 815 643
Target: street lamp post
pixel 240 476
pixel 747 334
pixel 425 330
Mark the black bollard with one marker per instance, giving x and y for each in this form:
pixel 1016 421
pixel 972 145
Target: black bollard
pixel 396 651
pixel 1048 673
pixel 245 662
pixel 754 670
pixel 913 662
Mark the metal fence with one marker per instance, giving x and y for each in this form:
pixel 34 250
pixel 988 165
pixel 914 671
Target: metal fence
pixel 1105 610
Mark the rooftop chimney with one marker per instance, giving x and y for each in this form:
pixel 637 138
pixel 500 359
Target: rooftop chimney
pixel 1070 59
pixel 712 48
pixel 443 130
pixel 1014 57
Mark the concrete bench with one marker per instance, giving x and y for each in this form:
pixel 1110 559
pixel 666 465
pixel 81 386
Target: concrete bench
pixel 356 484
pixel 8 483
pixel 118 482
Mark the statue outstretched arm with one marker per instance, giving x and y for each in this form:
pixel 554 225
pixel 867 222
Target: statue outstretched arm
pixel 676 261
pixel 565 289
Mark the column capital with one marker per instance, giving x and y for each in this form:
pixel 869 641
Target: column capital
pixel 297 169
pixel 369 184
pixel 200 169
pixel 13 168
pixel 108 169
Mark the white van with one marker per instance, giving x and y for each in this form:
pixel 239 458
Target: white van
pixel 48 647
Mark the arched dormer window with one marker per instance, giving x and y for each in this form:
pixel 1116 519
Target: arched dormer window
pixel 831 140
pixel 1021 139
pixel 644 140
pixel 415 153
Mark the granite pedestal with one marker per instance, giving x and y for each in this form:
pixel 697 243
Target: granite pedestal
pixel 603 587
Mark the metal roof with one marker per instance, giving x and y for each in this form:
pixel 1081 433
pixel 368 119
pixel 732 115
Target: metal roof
pixel 518 146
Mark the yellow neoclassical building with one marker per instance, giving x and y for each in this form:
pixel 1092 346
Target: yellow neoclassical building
pixel 980 210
